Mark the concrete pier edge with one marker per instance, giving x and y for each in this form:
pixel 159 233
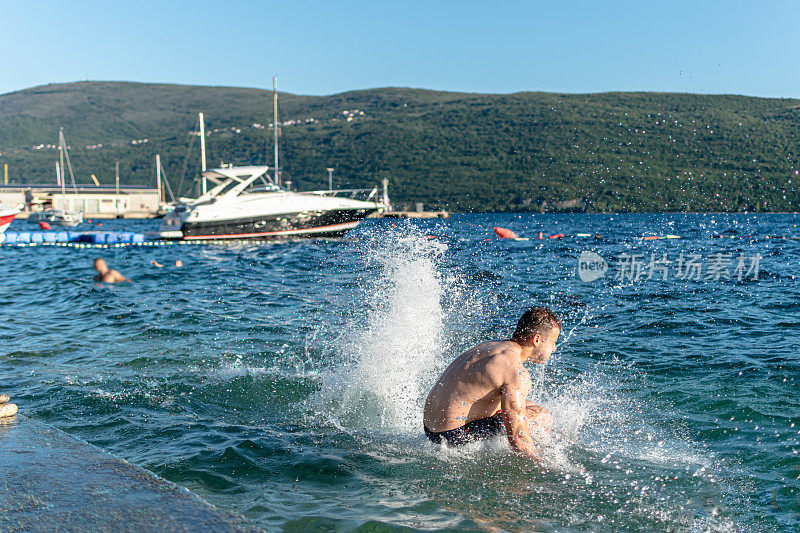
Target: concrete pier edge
pixel 53 481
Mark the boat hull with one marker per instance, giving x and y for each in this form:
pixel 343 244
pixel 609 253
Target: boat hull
pixel 5 221
pixel 306 224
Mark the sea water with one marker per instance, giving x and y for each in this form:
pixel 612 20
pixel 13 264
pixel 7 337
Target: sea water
pixel 285 381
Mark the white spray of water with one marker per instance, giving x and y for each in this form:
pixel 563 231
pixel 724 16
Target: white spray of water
pixel 389 357
pixel 395 345
pixel 386 360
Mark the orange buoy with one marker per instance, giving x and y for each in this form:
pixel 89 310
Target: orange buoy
pixel 99 224
pixel 557 236
pixel 650 237
pixel 45 225
pixel 504 233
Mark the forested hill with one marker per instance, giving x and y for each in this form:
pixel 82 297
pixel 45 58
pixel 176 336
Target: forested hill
pixel 479 152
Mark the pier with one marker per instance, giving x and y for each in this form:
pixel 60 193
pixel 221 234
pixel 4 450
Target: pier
pixel 55 482
pixel 418 210
pixel 416 214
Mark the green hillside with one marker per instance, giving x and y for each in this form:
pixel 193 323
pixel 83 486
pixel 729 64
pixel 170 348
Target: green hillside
pixel 524 151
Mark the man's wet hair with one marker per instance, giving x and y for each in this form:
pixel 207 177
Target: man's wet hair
pixel 535 320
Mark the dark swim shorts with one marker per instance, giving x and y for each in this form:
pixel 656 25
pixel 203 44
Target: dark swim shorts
pixel 483 428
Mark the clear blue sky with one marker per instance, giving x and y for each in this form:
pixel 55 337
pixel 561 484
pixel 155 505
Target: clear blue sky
pixel 324 47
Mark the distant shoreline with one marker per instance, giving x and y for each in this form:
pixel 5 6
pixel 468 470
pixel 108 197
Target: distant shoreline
pixel 525 152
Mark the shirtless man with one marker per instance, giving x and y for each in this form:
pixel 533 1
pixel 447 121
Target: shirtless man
pixel 485 389
pixel 105 274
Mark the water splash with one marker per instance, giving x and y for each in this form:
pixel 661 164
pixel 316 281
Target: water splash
pixel 397 340
pixel 388 357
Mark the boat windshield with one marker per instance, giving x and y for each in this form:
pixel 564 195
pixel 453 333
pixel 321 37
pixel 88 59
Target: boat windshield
pixel 262 188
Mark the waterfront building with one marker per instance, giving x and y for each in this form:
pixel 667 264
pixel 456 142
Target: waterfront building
pixel 92 201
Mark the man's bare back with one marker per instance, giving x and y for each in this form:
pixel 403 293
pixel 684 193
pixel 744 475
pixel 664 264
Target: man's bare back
pixel 488 384
pixel 471 387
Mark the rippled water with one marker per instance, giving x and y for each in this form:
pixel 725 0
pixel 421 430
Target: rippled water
pixel 284 381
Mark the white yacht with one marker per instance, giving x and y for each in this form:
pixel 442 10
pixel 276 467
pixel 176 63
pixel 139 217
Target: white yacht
pixel 239 208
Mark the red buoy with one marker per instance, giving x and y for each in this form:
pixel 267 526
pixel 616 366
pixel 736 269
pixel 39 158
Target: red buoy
pixel 45 225
pixel 557 236
pixel 504 233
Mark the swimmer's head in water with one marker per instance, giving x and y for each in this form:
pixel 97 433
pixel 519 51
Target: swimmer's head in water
pixel 539 327
pixel 100 265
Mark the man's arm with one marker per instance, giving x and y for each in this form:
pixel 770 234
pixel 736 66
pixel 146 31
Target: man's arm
pixel 512 403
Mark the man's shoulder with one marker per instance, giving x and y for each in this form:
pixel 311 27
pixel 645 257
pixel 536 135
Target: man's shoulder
pixel 504 351
pixel 504 360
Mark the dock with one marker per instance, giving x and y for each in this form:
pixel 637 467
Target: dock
pixel 418 210
pixel 55 482
pixel 106 216
pixel 416 214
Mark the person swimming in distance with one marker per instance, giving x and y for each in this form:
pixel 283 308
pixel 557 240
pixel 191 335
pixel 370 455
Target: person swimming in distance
pixel 105 274
pixel 178 263
pixel 484 391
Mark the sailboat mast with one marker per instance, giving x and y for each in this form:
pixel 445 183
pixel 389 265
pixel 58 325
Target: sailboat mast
pixel 158 179
pixel 116 187
pixel 61 148
pixel 275 124
pixel 203 150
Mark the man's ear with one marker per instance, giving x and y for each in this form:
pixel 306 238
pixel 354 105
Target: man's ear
pixel 536 340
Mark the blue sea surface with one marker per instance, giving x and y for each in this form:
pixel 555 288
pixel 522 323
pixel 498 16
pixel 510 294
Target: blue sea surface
pixel 285 380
